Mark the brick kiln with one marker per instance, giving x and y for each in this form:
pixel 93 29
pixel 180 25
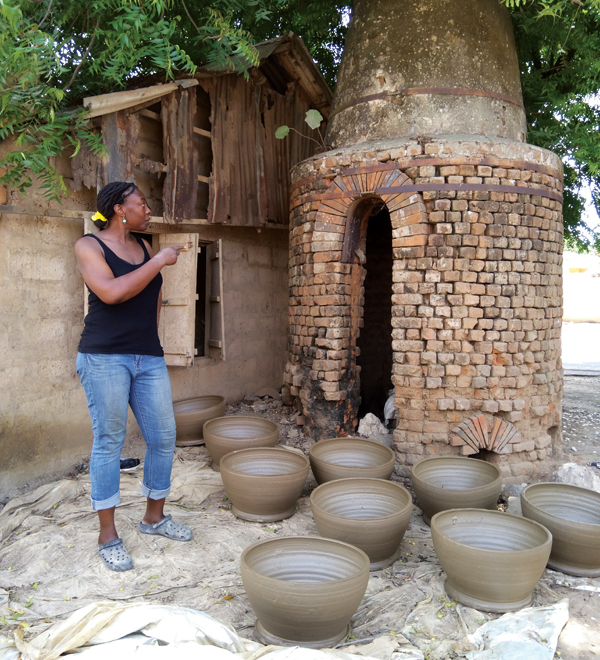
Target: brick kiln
pixel 426 244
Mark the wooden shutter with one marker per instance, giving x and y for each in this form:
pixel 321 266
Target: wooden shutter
pixel 178 314
pixel 214 296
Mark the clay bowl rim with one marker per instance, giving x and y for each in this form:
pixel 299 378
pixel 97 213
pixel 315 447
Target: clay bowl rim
pixel 304 585
pixel 330 484
pixel 560 519
pixel 491 512
pixel 462 459
pixel 372 443
pixel 212 421
pixel 202 396
pixel 270 450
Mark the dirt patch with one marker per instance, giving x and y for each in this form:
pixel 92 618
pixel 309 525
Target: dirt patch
pixel 581 419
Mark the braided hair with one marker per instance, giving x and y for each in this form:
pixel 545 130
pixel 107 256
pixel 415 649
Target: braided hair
pixel 113 193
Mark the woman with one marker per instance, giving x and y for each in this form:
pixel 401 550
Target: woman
pixel 120 364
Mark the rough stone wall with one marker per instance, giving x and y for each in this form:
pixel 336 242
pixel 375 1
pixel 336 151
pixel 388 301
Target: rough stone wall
pixel 476 303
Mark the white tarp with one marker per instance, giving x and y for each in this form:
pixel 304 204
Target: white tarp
pixel 50 570
pixel 166 632
pixel 530 634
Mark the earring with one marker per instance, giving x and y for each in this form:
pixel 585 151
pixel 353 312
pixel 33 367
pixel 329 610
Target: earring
pixel 124 220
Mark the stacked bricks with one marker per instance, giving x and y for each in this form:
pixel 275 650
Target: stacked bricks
pixel 476 293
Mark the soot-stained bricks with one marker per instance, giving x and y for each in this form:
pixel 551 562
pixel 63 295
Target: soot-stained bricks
pixel 476 294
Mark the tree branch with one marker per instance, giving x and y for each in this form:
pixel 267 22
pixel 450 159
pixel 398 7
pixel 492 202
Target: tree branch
pixel 189 15
pixel 87 52
pixel 46 14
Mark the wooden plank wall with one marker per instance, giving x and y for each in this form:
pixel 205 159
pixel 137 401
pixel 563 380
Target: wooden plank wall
pixel 227 169
pixel 250 176
pixel 237 154
pixel 180 192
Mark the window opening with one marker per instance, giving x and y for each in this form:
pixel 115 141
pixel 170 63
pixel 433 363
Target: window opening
pixel 375 340
pixel 201 282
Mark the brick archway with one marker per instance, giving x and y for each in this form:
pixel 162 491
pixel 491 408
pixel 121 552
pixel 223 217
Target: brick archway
pixel 330 299
pixel 407 211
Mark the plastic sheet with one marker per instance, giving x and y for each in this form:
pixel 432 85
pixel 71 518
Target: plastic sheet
pixel 50 570
pixel 38 501
pixel 530 634
pixel 165 632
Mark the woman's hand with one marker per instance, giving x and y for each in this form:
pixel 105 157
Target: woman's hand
pixel 169 255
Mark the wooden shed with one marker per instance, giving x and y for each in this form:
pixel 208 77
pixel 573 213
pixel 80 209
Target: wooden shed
pixel 204 151
pixel 205 146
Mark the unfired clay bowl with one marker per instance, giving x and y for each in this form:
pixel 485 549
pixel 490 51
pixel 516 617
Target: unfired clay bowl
pixel 190 415
pixel 226 434
pixel 340 458
pixel 371 514
pixel 264 483
pixel 304 590
pixel 572 515
pixel 454 482
pixel 492 559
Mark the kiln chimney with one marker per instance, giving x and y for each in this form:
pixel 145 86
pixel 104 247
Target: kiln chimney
pixel 427 67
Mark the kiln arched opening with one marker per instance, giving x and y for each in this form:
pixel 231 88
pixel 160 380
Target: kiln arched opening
pixel 375 356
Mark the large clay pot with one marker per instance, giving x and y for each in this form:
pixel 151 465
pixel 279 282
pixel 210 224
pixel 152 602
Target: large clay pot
pixel 264 483
pixel 340 458
pixel 371 514
pixel 226 434
pixel 304 590
pixel 572 515
pixel 190 415
pixel 492 559
pixel 455 482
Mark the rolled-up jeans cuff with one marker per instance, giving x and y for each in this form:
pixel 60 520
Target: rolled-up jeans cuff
pixel 154 494
pixel 100 505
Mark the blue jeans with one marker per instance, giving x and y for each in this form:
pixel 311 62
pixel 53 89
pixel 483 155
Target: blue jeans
pixel 111 384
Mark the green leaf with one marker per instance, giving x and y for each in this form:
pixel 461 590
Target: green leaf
pixel 313 118
pixel 282 132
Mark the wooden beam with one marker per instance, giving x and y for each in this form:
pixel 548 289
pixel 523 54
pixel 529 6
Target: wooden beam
pixel 201 131
pixel 133 98
pixel 203 179
pixel 151 166
pixel 156 220
pixel 150 114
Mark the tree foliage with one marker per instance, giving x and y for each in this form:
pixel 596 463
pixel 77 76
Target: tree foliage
pixel 558 43
pixel 54 52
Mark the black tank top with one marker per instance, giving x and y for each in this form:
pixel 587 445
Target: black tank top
pixel 127 327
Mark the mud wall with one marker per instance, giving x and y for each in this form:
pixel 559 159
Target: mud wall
pixel 44 424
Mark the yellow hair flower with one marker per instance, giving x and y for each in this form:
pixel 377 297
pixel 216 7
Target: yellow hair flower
pixel 99 216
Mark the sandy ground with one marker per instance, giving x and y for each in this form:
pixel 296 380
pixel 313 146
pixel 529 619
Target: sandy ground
pixel 54 552
pixel 581 419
